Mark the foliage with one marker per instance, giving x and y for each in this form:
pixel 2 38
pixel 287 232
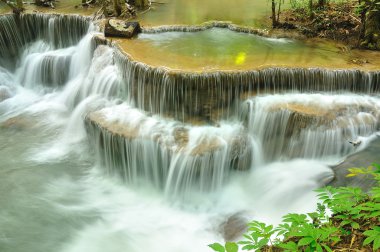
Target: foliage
pixel 355 221
pixel 15 5
pixel 299 4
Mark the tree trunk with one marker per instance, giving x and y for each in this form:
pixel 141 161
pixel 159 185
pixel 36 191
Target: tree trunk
pixel 321 3
pixel 274 20
pixel 371 26
pixel 117 7
pixel 311 14
pixel 278 12
pixel 19 4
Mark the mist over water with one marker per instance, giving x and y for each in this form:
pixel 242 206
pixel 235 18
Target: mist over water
pixel 55 195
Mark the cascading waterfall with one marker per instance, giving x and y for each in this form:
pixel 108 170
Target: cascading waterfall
pixel 186 157
pixel 58 73
pixel 215 95
pixel 57 30
pixel 311 125
pixel 63 66
pixel 174 156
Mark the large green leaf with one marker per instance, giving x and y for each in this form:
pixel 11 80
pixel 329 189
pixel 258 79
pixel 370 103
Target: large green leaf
pixel 231 247
pixel 217 247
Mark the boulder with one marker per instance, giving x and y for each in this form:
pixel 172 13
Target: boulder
pixel 234 227
pixel 362 158
pixel 45 3
pixel 122 29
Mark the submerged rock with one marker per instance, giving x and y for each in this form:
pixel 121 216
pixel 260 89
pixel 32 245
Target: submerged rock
pixel 18 123
pixel 119 28
pixel 4 93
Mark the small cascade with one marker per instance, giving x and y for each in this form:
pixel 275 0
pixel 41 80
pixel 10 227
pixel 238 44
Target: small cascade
pixel 46 68
pixel 76 79
pixel 174 156
pixel 59 31
pixel 100 76
pixel 215 95
pixel 203 27
pixel 311 125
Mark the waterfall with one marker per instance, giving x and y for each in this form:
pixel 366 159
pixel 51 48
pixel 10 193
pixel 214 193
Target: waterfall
pixel 173 156
pixel 59 31
pixel 139 118
pixel 61 63
pixel 311 125
pixel 215 95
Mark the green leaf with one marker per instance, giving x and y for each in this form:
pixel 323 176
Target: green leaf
pixel 231 247
pixel 249 247
pixel 327 248
pixel 368 240
pixel 319 248
pixel 376 244
pixel 305 241
pixel 355 225
pixel 262 243
pixel 217 247
pixel 289 245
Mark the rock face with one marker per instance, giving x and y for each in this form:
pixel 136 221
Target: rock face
pixel 362 158
pixel 122 29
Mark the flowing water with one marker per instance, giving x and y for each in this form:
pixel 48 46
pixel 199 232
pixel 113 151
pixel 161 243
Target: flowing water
pixel 125 181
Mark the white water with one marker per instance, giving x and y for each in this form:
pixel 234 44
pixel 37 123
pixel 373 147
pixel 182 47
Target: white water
pixel 54 197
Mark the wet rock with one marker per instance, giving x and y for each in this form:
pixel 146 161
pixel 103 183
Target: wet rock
pixel 181 136
pixel 4 93
pixel 234 227
pixel 362 158
pixel 17 123
pixel 45 3
pixel 119 28
pixel 100 40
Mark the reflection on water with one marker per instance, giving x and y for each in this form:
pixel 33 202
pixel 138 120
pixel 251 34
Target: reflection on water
pixel 219 48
